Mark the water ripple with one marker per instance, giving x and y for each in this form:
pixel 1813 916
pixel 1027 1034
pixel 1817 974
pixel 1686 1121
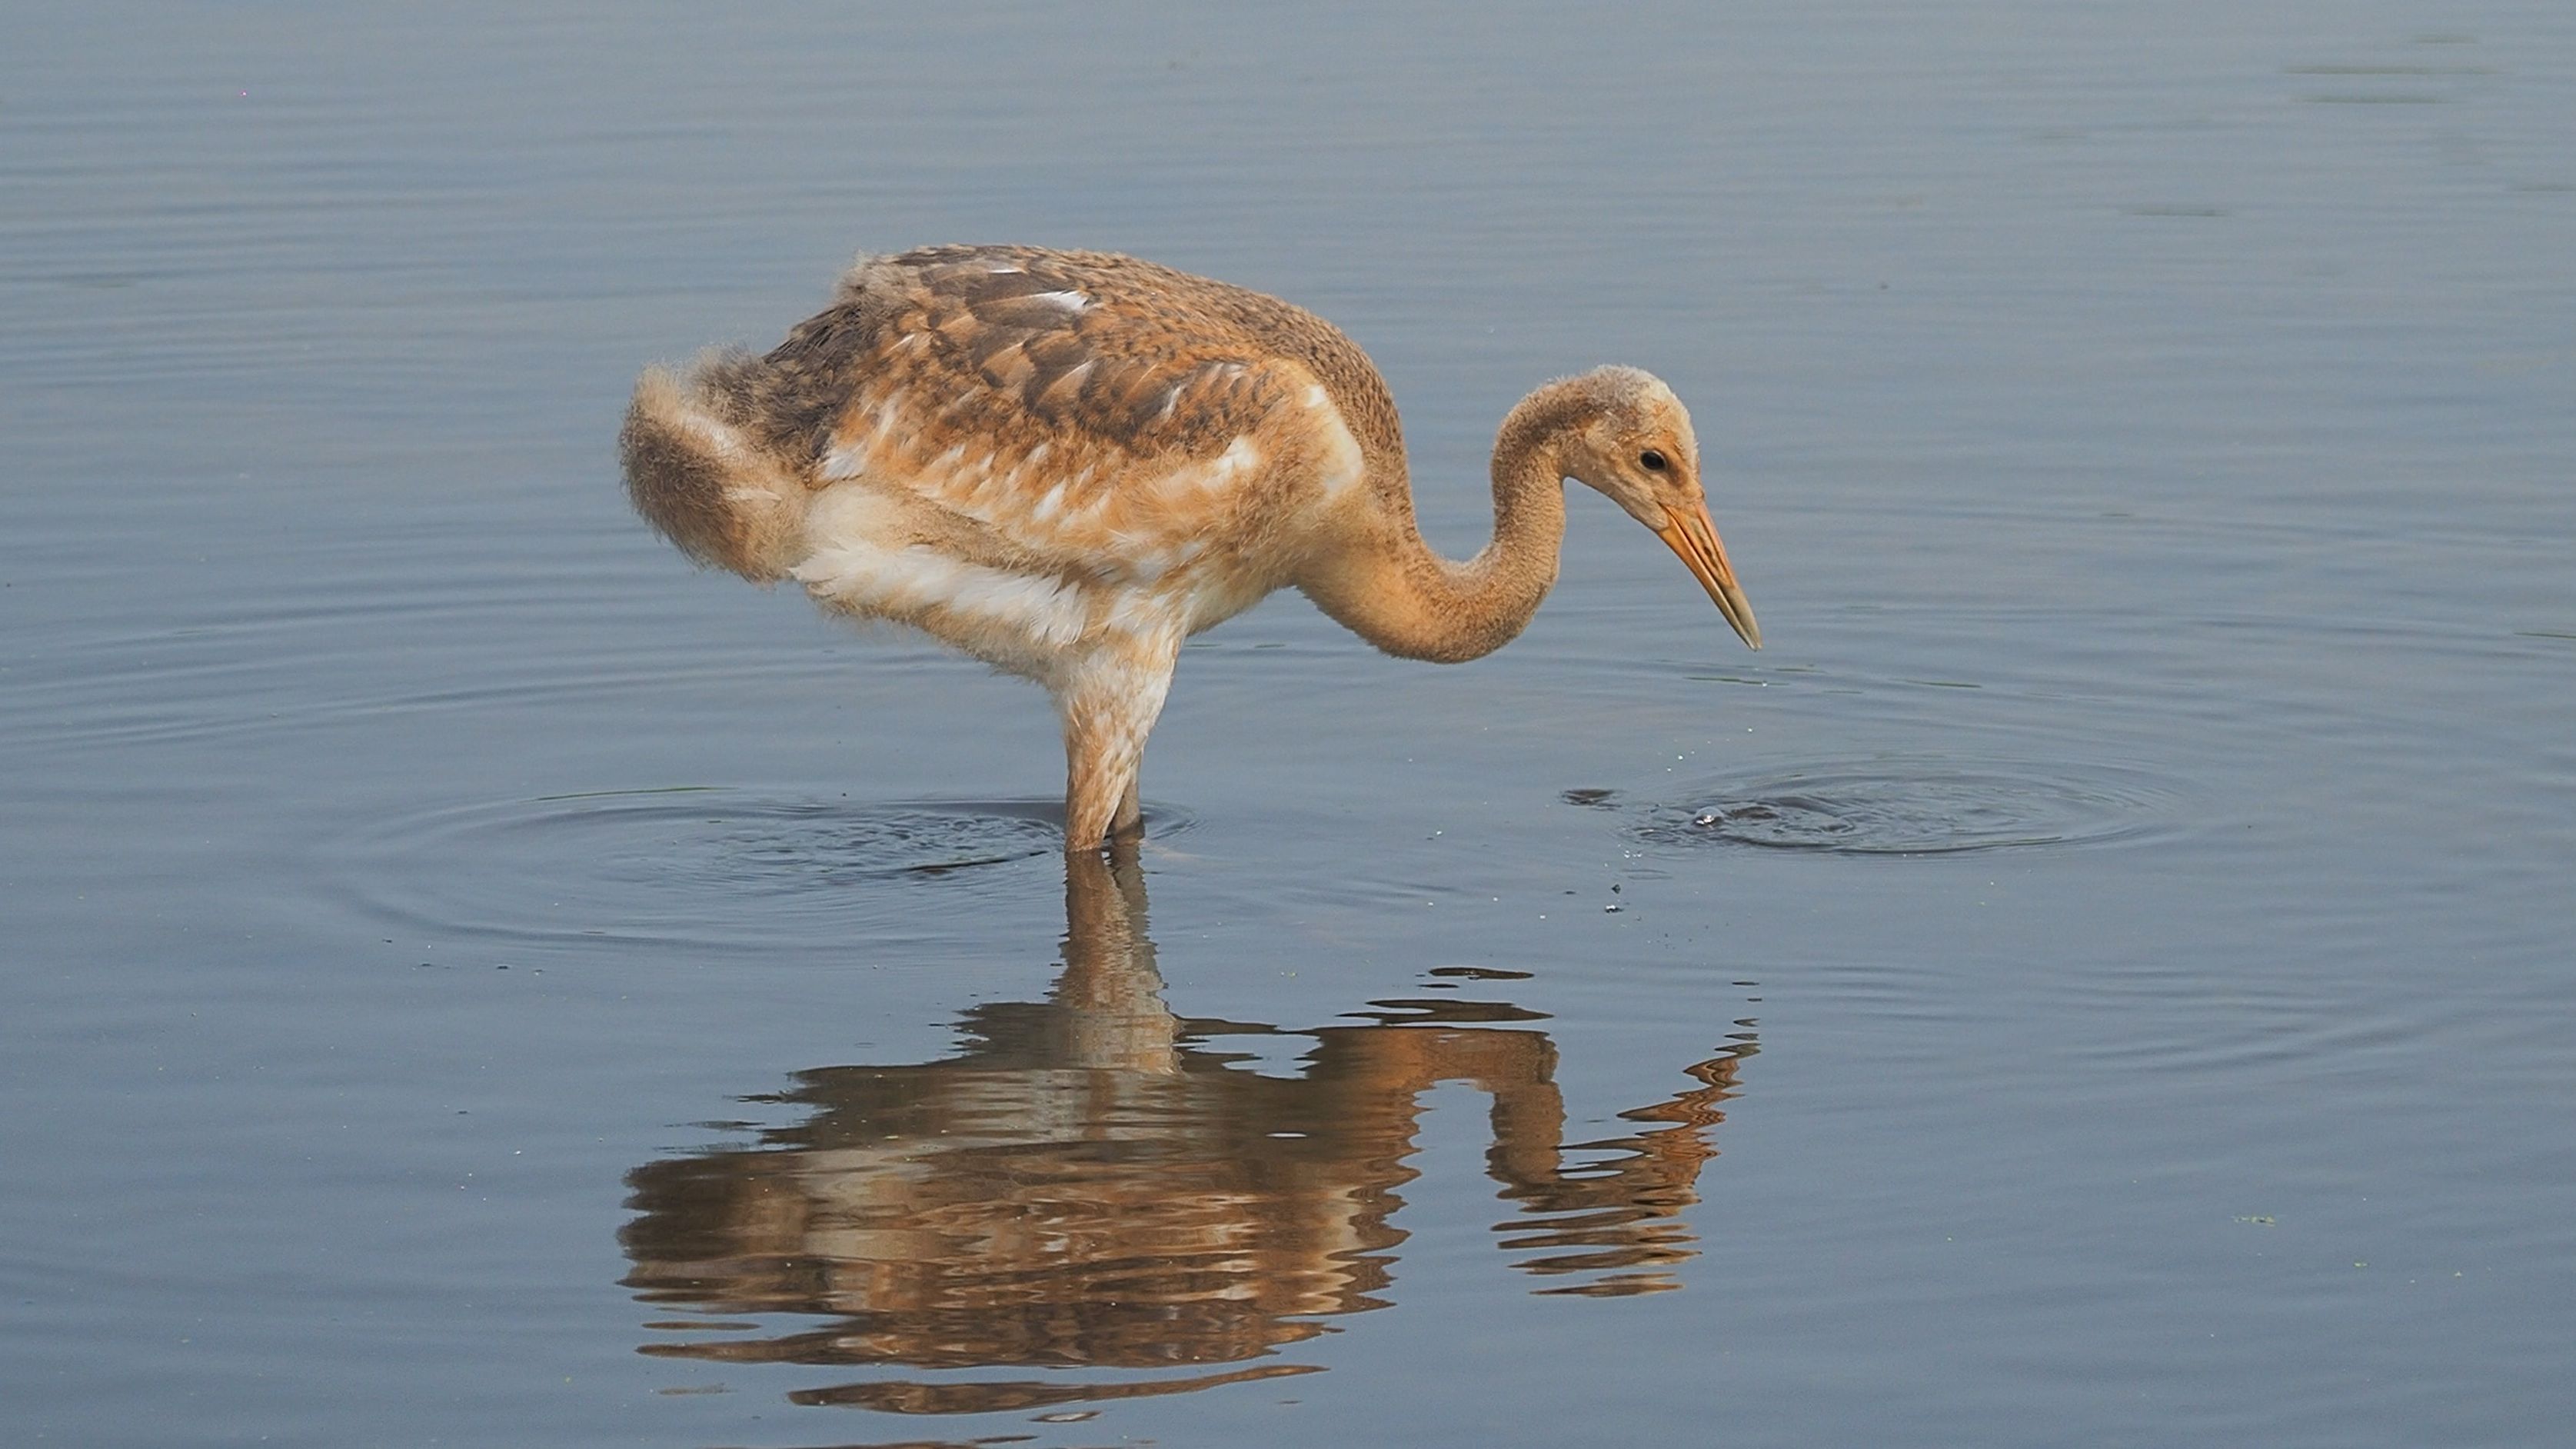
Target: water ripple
pixel 689 864
pixel 1903 806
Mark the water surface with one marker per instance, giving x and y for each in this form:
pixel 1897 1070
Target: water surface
pixel 2099 975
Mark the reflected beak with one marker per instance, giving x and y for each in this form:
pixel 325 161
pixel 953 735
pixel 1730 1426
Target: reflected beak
pixel 1694 537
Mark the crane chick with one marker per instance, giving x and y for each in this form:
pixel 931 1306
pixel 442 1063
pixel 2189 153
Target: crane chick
pixel 1065 463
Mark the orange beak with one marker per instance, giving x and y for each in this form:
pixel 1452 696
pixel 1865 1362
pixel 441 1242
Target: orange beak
pixel 1693 536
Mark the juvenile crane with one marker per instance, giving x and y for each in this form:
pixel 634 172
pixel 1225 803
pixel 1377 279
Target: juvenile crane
pixel 1065 463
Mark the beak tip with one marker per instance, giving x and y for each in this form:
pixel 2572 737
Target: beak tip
pixel 1695 540
pixel 1740 615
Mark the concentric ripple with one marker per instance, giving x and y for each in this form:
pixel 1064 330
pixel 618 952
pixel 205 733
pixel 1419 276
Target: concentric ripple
pixel 1900 806
pixel 708 865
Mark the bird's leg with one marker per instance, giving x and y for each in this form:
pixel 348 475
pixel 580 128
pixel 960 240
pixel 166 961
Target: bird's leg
pixel 1109 703
pixel 1102 758
pixel 1129 820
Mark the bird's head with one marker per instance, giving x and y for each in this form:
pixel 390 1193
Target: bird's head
pixel 1633 442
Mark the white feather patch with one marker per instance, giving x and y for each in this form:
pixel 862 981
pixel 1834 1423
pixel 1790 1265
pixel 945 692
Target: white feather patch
pixel 1342 466
pixel 848 461
pixel 714 436
pixel 992 613
pixel 1225 470
pixel 906 583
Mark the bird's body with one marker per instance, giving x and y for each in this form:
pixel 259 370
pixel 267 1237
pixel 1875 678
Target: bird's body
pixel 1065 463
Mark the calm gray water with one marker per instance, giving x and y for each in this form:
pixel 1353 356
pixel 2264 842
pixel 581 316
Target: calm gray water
pixel 2101 975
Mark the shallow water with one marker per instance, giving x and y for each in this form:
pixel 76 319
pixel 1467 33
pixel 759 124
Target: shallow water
pixel 2100 975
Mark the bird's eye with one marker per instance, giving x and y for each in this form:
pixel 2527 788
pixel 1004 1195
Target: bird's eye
pixel 1651 461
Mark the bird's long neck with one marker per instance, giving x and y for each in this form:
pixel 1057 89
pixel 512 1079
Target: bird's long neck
pixel 1399 595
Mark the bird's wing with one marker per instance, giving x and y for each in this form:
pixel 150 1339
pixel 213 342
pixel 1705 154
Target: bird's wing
pixel 1018 352
pixel 1096 349
pixel 1052 394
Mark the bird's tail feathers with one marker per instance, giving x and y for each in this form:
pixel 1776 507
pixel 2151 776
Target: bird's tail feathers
pixel 706 483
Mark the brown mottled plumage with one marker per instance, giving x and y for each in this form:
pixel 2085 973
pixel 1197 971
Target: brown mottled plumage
pixel 1065 463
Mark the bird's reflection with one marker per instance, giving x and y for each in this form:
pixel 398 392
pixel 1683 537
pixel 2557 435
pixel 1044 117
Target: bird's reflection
pixel 1091 1182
